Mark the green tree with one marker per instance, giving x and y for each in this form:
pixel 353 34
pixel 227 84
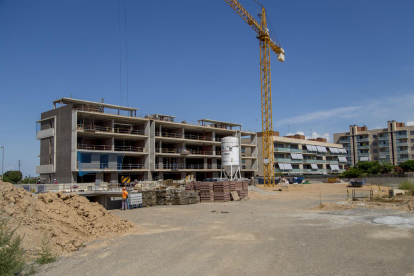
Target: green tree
pixel 407 166
pixel 371 167
pixel 354 172
pixel 387 167
pixel 12 176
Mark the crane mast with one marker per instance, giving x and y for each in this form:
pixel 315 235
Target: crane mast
pixel 266 44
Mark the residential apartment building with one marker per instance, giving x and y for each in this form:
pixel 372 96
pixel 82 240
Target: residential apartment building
pixel 394 144
pixel 298 155
pixel 81 141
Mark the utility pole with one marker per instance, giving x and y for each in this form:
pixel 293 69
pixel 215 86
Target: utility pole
pixel 2 165
pixel 19 166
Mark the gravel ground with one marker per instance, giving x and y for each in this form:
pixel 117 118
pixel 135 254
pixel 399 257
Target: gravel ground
pixel 256 237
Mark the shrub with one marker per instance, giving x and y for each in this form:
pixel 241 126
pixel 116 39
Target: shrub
pixel 12 259
pixel 352 173
pixel 406 185
pixel 45 255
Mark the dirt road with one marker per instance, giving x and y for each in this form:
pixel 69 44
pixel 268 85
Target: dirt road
pixel 267 235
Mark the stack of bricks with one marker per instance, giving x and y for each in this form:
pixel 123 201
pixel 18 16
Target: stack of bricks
pixel 205 189
pixel 149 198
pixel 190 186
pixel 164 197
pixel 181 198
pixel 193 196
pixel 244 191
pixel 222 191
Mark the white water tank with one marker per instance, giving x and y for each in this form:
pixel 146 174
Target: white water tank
pixel 230 155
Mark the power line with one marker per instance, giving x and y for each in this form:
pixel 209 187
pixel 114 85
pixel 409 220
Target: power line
pixel 126 52
pixel 120 54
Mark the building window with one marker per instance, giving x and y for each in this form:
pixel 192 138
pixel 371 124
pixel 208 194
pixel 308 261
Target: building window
pixel 243 161
pixel 243 150
pixel 412 140
pixel 375 150
pixel 412 156
pixel 374 144
pixel 411 132
pixel 374 136
pixel 375 157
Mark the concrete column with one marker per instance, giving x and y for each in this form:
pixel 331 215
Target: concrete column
pixel 205 163
pixel 214 163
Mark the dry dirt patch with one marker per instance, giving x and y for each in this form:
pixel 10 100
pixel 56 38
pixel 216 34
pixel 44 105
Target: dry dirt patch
pixel 68 220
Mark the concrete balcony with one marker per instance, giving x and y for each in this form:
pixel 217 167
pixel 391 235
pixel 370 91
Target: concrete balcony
pixel 45 133
pixel 363 147
pixel 383 137
pixel 288 160
pixel 363 153
pixel 45 169
pixel 405 144
pixel 344 141
pixel 383 145
pixel 363 140
pixel 314 161
pixel 398 136
pixel 286 150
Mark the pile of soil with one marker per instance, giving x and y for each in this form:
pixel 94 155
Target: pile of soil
pixel 69 221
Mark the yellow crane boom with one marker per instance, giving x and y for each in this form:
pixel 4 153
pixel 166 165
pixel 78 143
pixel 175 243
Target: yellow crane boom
pixel 266 86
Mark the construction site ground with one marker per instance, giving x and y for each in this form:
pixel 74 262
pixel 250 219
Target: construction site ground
pixel 284 232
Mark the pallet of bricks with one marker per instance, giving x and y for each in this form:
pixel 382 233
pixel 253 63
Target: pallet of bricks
pixel 135 200
pixel 164 197
pixel 241 187
pixel 149 198
pixel 205 190
pixel 221 191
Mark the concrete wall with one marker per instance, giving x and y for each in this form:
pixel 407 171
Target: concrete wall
pixel 63 172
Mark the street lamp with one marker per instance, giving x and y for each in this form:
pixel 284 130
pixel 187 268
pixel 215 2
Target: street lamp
pixel 2 164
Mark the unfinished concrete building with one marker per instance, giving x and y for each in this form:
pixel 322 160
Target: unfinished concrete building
pixel 394 144
pixel 82 141
pixel 298 155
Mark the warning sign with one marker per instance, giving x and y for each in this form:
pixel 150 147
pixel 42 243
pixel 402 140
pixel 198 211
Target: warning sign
pixel 125 179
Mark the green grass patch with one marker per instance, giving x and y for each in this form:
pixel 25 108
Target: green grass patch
pixel 406 185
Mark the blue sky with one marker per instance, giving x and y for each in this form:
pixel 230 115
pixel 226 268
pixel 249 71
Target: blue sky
pixel 347 62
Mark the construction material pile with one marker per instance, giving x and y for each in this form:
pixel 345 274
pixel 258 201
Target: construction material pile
pixel 219 191
pixel 68 221
pixel 164 197
pixel 149 198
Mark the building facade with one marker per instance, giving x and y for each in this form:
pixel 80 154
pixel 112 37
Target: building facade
pixel 394 144
pixel 82 141
pixel 298 155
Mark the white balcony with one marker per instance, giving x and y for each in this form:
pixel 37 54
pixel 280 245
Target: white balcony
pixel 45 133
pixel 45 169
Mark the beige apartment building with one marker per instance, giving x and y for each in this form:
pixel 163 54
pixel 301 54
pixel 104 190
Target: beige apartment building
pixel 298 155
pixel 83 141
pixel 394 144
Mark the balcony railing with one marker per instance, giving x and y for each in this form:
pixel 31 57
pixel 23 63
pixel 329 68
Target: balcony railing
pixel 313 161
pixel 109 129
pixel 401 144
pixel 403 151
pixel 169 135
pixel 386 145
pixel 181 166
pixel 398 136
pixel 309 152
pixel 129 148
pixel 363 153
pixel 131 166
pixel 287 149
pixel 363 147
pixel 288 160
pixel 345 141
pixel 383 137
pixel 363 139
pixel 94 147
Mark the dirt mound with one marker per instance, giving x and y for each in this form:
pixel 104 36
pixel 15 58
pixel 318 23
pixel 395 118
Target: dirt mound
pixel 68 220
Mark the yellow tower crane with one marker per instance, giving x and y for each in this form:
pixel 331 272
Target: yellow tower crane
pixel 266 43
